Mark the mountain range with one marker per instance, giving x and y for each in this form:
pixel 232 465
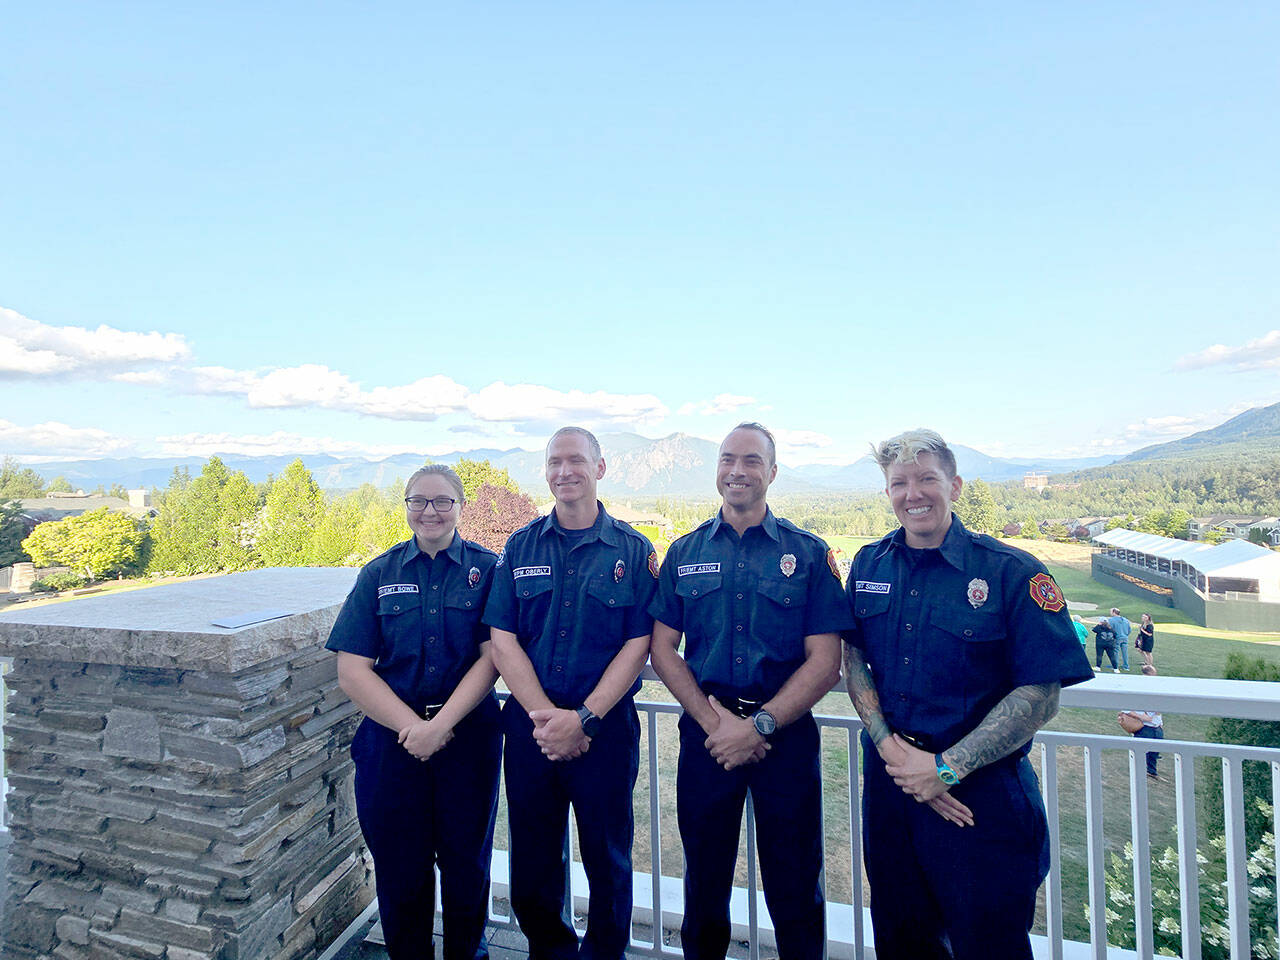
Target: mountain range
pixel 677 465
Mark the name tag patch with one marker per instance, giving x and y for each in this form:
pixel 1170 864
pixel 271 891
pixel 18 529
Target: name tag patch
pixel 689 569
pixel 518 572
pixel 388 589
pixel 870 586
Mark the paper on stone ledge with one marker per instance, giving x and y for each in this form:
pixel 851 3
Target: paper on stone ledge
pixel 237 620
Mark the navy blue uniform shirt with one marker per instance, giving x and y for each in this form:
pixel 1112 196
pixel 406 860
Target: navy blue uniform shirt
pixel 573 599
pixel 948 633
pixel 745 604
pixel 418 618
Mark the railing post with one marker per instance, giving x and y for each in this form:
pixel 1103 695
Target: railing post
pixel 1184 773
pixel 1053 890
pixel 1237 858
pixel 1141 838
pixel 855 844
pixel 753 921
pixel 655 834
pixel 1096 853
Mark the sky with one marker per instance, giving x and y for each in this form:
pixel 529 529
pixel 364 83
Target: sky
pixel 365 229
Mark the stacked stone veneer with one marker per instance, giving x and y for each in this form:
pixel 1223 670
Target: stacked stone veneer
pixel 179 790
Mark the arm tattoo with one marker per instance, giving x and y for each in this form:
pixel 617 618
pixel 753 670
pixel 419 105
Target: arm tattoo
pixel 1011 723
pixel 862 691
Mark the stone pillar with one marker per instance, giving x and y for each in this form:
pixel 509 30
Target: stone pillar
pixel 181 790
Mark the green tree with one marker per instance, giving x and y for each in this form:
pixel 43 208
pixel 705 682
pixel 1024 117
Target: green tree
pixel 1030 529
pixel 294 505
pixel 336 539
pixel 97 543
pixel 382 523
pixel 18 482
pixel 205 525
pixel 118 490
pixel 12 533
pixel 1176 524
pixel 60 484
pixel 475 473
pixel 1259 536
pixel 976 508
pixel 1058 532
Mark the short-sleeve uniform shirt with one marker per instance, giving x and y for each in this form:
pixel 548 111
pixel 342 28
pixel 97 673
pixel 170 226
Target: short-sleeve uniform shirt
pixel 746 603
pixel 418 617
pixel 948 633
pixel 573 599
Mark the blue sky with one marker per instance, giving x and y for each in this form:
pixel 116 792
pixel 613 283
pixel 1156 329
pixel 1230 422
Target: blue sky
pixel 373 228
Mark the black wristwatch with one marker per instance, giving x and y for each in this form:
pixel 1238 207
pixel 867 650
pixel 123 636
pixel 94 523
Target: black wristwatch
pixel 765 722
pixel 590 722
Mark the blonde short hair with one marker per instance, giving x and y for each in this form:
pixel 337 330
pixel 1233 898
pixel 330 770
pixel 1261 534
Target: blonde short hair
pixel 907 446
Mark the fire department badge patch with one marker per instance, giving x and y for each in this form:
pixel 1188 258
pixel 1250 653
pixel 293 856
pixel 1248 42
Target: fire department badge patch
pixel 473 577
pixel 619 571
pixel 831 562
pixel 977 593
pixel 1046 593
pixel 653 563
pixel 788 564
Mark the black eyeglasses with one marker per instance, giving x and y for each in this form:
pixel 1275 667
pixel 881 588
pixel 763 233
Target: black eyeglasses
pixel 441 504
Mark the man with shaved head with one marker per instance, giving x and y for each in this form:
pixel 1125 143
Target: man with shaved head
pixel 959 649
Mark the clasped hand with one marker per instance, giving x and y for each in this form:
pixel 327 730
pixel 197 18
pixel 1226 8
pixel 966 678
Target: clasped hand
pixel 734 742
pixel 559 733
pixel 916 772
pixel 424 738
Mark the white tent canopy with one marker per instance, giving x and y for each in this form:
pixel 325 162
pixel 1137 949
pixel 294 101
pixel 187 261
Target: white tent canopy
pixel 1237 559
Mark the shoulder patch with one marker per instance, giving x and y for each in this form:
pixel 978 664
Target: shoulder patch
pixel 1046 593
pixel 831 562
pixel 653 563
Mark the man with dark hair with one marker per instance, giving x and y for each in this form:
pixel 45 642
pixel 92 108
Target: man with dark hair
pixel 960 648
pixel 1122 628
pixel 759 604
pixel 570 633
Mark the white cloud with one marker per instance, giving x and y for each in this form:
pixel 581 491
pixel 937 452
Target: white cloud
pixel 60 440
pixel 721 403
pixel 538 404
pixel 29 348
pixel 798 439
pixel 314 385
pixel 1260 354
pixel 272 444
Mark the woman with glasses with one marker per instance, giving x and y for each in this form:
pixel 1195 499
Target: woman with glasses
pixel 413 655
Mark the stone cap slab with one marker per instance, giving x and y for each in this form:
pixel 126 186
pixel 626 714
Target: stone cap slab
pixel 171 626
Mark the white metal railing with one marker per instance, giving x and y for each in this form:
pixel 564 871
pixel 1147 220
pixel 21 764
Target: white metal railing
pixel 658 893
pixel 6 663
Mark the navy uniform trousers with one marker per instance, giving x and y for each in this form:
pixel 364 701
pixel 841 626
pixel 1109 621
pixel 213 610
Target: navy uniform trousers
pixel 962 879
pixel 599 785
pixel 415 814
pixel 786 792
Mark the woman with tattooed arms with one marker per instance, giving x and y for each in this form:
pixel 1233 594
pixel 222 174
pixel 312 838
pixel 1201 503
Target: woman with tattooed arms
pixel 960 648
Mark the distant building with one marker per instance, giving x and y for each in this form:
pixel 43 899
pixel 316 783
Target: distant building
pixel 1235 526
pixel 1035 481
pixel 59 506
pixel 1233 585
pixel 1012 529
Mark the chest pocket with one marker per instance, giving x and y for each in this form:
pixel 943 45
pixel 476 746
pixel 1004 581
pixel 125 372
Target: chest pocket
pixel 698 587
pixel 528 588
pixel 867 604
pixel 969 626
pixel 611 595
pixel 398 604
pixel 786 594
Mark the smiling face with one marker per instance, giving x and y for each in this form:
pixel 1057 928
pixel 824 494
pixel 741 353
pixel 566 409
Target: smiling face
pixel 572 470
pixel 921 494
pixel 744 470
pixel 432 530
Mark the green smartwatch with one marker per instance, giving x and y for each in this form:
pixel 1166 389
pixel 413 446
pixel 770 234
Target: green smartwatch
pixel 945 773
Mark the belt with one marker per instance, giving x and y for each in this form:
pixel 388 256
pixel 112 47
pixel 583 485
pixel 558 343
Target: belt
pixel 430 710
pixel 919 741
pixel 739 707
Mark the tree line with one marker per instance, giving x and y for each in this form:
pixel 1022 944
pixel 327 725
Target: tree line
pixel 219 521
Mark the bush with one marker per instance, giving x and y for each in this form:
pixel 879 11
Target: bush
pixel 54 582
pixel 1165 889
pixel 1257 733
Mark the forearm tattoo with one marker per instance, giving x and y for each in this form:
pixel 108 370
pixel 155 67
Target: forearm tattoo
pixel 1011 723
pixel 862 691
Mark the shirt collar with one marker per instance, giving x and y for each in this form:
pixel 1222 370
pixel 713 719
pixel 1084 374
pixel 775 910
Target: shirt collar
pixel 769 525
pixel 411 551
pixel 954 548
pixel 602 529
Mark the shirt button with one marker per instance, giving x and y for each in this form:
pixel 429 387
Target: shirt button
pixel 568 603
pixel 902 696
pixel 906 661
pixel 564 633
pixel 786 601
pixel 741 564
pixel 694 592
pixel 431 669
pixel 435 586
pixel 739 628
pixel 468 603
pixel 526 593
pixel 739 596
pixel 915 593
pixel 739 660
pixel 559 669
pixel 569 572
pixel 395 606
pixel 863 611
pixel 968 633
pixel 432 610
pixel 431 639
pixel 908 626
pixel 612 601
